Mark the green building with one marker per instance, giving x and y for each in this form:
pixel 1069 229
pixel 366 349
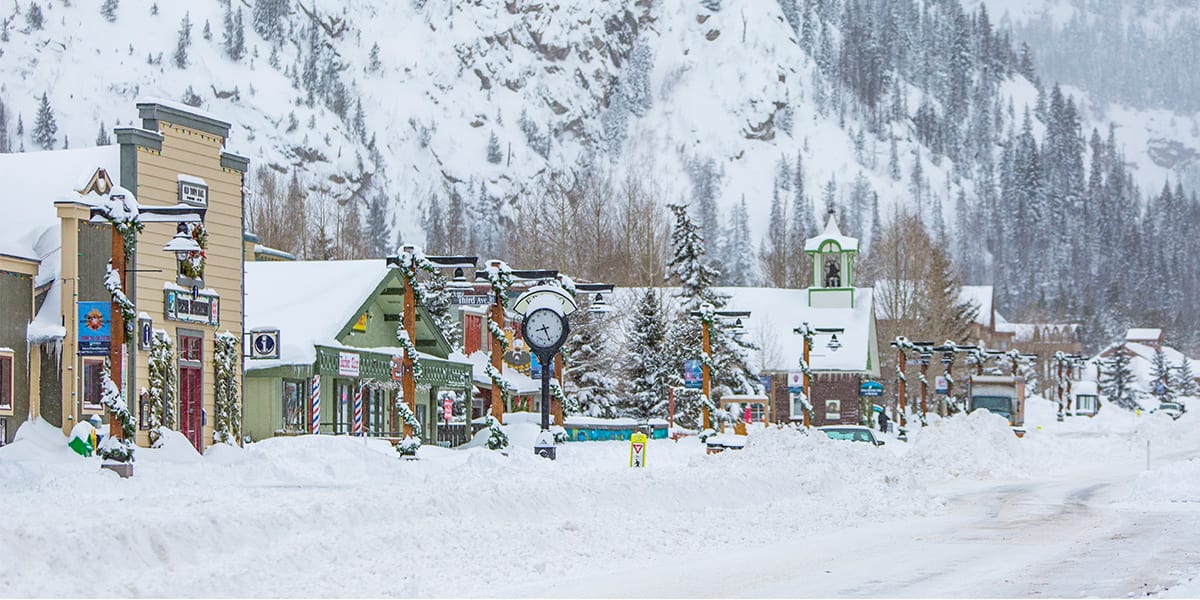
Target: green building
pixel 330 326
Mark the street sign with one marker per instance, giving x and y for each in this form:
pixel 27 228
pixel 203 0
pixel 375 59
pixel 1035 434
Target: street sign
pixel 940 385
pixel 870 389
pixel 637 450
pixel 470 297
pixel 795 382
pixel 693 374
pixel 264 344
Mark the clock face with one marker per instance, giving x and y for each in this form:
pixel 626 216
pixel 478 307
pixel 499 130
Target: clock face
pixel 544 328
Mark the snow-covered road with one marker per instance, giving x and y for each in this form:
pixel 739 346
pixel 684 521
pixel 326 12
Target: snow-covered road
pixel 963 509
pixel 1075 535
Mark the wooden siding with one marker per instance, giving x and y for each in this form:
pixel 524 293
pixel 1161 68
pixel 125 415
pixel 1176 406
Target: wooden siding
pixel 186 152
pixel 16 296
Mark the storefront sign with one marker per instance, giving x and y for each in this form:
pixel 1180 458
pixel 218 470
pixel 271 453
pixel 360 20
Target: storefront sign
pixel 940 385
pixel 535 367
pixel 795 382
pixel 693 374
pixel 397 368
pixel 264 344
pixel 870 389
pixel 447 407
pixel 361 324
pixel 191 308
pixel 95 328
pixel 348 364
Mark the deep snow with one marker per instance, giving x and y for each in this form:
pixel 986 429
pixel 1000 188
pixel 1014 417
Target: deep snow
pixel 339 516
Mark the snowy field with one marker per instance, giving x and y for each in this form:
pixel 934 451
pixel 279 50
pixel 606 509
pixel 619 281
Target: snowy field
pixel 790 515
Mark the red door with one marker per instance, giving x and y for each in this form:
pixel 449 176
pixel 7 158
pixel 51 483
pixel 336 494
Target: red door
pixel 191 396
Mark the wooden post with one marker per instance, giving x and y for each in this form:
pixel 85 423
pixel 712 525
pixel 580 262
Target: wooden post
pixel 118 329
pixel 807 380
pixel 924 386
pixel 707 383
pixel 497 314
pixel 408 381
pixel 949 387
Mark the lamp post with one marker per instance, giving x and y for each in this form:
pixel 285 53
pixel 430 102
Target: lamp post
pixel 924 358
pixel 708 315
pixel 901 344
pixel 809 332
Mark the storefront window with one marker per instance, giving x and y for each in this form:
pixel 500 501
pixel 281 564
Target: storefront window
pixel 6 383
pixel 93 369
pixel 293 405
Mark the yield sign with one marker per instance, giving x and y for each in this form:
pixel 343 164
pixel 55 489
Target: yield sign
pixel 637 450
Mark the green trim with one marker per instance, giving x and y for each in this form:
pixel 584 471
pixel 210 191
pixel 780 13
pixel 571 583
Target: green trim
pixel 152 112
pixel 235 162
pixel 435 372
pixel 423 318
pixel 249 237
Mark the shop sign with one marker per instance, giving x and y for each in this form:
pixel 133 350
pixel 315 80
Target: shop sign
pixel 95 328
pixel 795 382
pixel 348 364
pixel 191 308
pixel 870 389
pixel 693 374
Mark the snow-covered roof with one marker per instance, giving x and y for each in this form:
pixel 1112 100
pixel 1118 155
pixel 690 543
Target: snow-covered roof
pixel 775 312
pixel 523 384
pixel 308 301
pixel 33 181
pixel 1025 332
pixel 834 234
pixel 47 326
pixel 1143 335
pixel 1141 362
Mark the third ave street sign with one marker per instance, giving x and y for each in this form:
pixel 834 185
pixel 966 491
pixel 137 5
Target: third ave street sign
pixel 470 297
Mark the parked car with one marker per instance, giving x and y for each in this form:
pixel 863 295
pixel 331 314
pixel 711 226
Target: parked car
pixel 1172 409
pixel 852 433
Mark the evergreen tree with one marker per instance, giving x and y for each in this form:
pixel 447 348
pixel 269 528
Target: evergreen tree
pixel 206 33
pixel 494 154
pixel 738 247
pixel 649 371
pixel 374 65
pixel 1185 381
pixel 268 18
pixel 803 226
pixel 5 142
pixel 688 267
pixel 109 10
pixel 45 128
pixel 33 16
pixel 1118 380
pixel 378 230
pixel 184 42
pixel 1160 375
pixel 589 367
pixel 434 224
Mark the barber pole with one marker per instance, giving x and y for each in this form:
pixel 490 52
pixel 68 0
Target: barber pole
pixel 315 401
pixel 358 420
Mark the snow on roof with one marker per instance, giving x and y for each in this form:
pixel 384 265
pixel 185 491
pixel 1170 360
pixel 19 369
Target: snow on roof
pixel 1143 335
pixel 47 326
pixel 831 233
pixel 1024 332
pixel 1141 363
pixel 33 181
pixel 522 383
pixel 775 312
pixel 308 301
pixel 181 107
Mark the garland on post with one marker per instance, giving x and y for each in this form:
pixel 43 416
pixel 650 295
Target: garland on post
pixel 113 448
pixel 410 444
pixel 227 423
pixel 112 283
pixel 498 383
pixel 193 265
pixel 125 220
pixel 409 348
pixel 500 278
pixel 162 384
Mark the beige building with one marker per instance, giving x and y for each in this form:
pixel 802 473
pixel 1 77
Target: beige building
pixel 175 171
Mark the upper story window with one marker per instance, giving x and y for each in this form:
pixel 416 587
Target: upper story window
pixel 193 190
pixel 6 381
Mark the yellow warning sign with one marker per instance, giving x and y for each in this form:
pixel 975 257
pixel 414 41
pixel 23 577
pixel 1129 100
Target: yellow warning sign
pixel 637 450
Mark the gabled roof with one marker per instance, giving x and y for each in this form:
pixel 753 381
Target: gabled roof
pixel 1144 335
pixel 831 233
pixel 308 301
pixel 33 181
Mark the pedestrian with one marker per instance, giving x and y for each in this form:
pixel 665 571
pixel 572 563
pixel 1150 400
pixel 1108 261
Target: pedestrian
pixel 883 421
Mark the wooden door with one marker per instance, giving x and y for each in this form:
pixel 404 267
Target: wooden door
pixel 191 394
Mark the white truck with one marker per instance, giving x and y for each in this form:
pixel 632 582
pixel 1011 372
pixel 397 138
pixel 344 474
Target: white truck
pixel 1003 395
pixel 1085 398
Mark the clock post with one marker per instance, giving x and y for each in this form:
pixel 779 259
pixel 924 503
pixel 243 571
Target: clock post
pixel 545 329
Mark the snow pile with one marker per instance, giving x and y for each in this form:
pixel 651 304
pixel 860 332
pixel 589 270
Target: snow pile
pixel 1175 482
pixel 978 445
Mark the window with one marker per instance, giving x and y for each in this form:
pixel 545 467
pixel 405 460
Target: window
pixel 193 192
pixel 93 368
pixel 797 406
pixel 293 405
pixel 6 383
pixel 343 400
pixel 833 410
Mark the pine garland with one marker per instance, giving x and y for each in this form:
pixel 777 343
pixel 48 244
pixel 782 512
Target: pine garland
pixel 500 279
pixel 409 348
pixel 193 266
pixel 227 423
pixel 112 283
pixel 119 450
pixel 497 440
pixel 162 384
pixel 410 444
pixel 498 383
pixel 128 226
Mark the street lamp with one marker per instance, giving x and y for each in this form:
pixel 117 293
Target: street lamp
pixel 182 244
pixel 708 316
pixel 809 333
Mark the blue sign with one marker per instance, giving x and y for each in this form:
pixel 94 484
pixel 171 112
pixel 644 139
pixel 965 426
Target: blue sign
pixel 95 328
pixel 870 389
pixel 765 380
pixel 535 367
pixel 693 374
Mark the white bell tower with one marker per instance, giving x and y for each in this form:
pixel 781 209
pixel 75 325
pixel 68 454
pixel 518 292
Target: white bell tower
pixel 832 267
